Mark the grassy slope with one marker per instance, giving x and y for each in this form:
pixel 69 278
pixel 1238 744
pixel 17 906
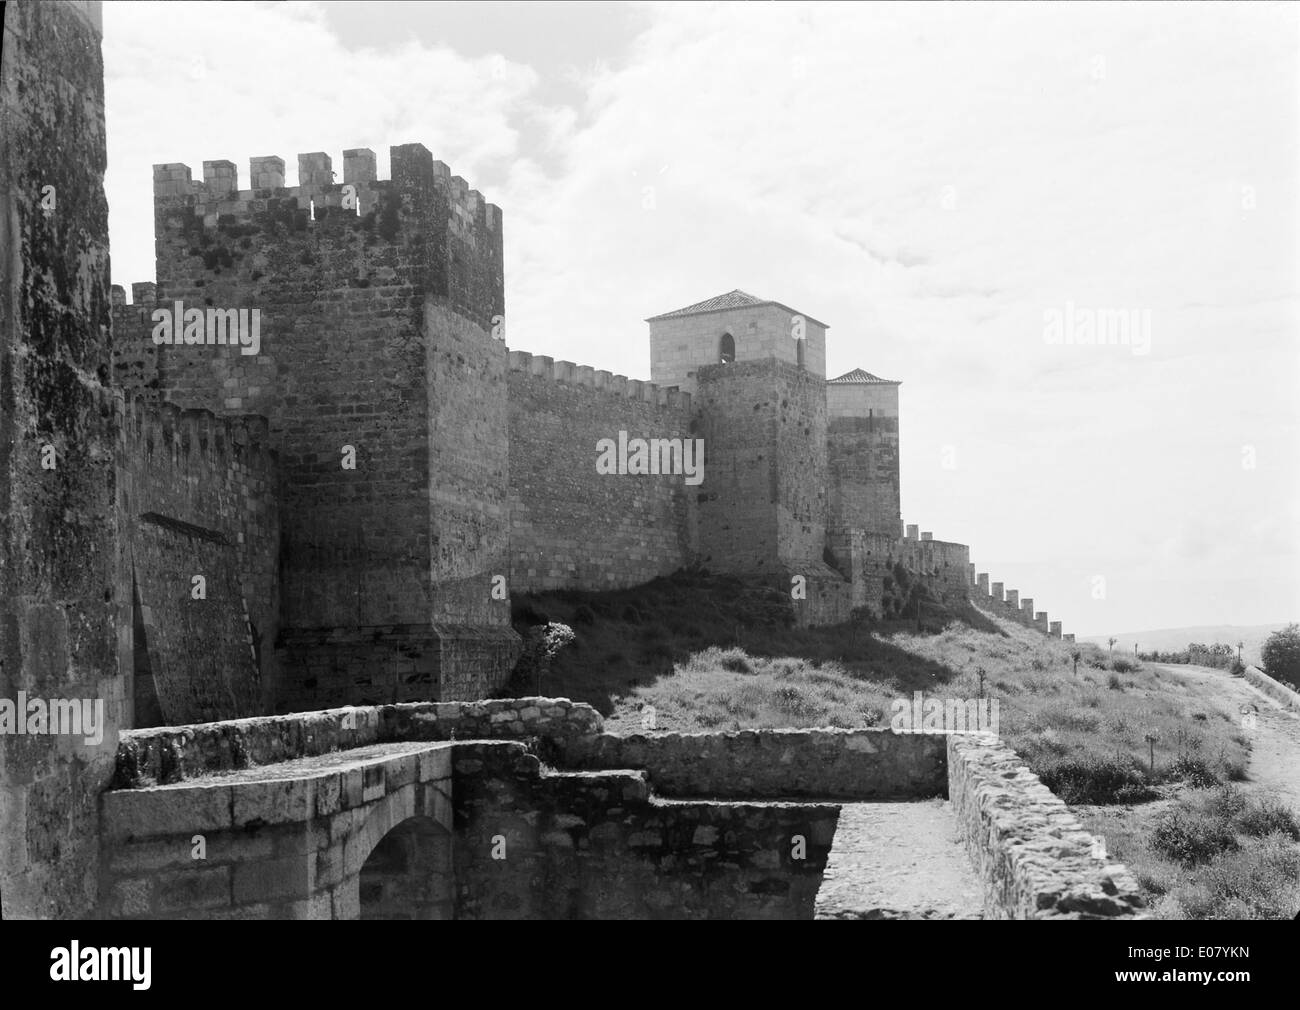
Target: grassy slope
pixel 717 653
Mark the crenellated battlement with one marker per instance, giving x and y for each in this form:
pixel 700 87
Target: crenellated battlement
pixel 1012 606
pixel 196 435
pixel 593 378
pixel 218 195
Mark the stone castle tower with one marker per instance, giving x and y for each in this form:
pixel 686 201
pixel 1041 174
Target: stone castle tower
pixel 399 473
pixel 384 392
pixel 757 371
pixel 190 533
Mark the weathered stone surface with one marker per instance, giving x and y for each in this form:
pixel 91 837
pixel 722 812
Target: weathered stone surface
pixel 61 603
pixel 1034 858
pixel 177 753
pixel 820 763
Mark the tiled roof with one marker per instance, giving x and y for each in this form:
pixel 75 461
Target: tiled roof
pixel 860 377
pixel 731 300
pixel 736 299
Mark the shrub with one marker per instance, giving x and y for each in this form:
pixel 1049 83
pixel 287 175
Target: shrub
pixel 737 662
pixel 631 615
pixel 1122 664
pixel 1267 816
pixel 1192 770
pixel 542 643
pixel 1259 882
pixel 1237 668
pixel 791 699
pixel 1192 838
pixel 1281 654
pixel 1097 780
pixel 1113 682
pixel 1226 802
pixel 584 615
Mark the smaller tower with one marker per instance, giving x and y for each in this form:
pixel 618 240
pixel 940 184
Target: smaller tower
pixel 862 436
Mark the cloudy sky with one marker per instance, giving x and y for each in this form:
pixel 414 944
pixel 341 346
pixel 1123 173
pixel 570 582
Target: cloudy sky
pixel 948 186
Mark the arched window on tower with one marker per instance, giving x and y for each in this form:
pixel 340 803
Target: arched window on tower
pixel 727 349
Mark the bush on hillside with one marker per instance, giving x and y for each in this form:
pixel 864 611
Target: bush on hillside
pixel 1097 780
pixel 542 643
pixel 1192 837
pixel 1192 770
pixel 1281 655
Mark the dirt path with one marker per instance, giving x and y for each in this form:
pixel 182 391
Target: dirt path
pixel 1275 740
pixel 898 861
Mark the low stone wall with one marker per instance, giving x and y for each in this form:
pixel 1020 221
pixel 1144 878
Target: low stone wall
pixel 174 753
pixel 1034 857
pixel 867 764
pixel 583 839
pixel 534 844
pixel 1275 689
pixel 291 842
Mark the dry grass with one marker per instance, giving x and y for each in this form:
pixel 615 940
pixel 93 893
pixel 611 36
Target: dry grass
pixel 709 653
pixel 1207 854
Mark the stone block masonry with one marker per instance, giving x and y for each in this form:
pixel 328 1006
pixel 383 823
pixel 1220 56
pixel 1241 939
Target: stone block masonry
pixel 197 495
pixel 61 609
pixel 763 501
pixel 335 815
pixel 570 526
pixel 384 391
pixel 1013 607
pixel 289 843
pixel 293 811
pixel 176 753
pixel 770 764
pixel 1035 859
pixel 597 845
pixel 682 343
pixel 862 453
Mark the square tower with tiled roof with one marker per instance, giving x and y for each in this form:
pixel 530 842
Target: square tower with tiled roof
pixel 862 453
pixel 732 327
pixel 756 370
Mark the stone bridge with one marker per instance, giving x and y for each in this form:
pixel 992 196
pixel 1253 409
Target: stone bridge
pixel 524 808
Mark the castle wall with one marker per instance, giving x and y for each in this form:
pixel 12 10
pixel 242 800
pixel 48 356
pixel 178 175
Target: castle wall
pixel 593 845
pixel 1011 606
pixel 197 495
pixel 574 528
pixel 135 356
pixel 61 605
pixel 943 564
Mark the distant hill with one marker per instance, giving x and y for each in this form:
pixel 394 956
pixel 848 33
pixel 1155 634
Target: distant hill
pixel 1169 639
